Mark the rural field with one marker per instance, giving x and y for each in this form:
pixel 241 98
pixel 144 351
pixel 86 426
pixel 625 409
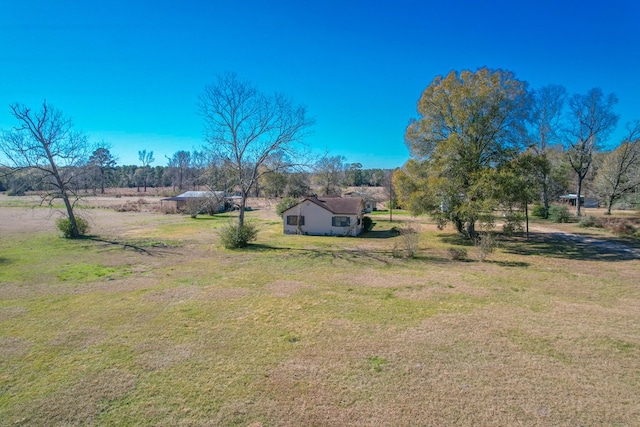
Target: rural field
pixel 149 321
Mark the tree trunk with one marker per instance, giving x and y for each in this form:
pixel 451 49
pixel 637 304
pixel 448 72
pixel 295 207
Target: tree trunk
pixel 72 218
pixel 471 230
pixel 526 217
pixel 243 204
pixel 545 193
pixel 63 193
pixel 578 210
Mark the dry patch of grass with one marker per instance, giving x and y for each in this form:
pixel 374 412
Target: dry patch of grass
pixel 221 294
pixel 13 347
pixel 285 288
pixel 172 295
pixel 154 354
pixel 78 339
pixel 79 402
pixel 7 313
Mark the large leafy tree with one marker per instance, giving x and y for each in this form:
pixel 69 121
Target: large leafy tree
pixel 274 184
pixel 469 123
pixel 518 183
pixel 245 127
pixel 298 184
pixel 591 120
pixel 45 142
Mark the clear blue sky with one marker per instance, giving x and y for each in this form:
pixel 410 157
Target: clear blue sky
pixel 129 72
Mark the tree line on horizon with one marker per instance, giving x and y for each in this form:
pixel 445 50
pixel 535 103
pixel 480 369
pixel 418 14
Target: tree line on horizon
pixel 192 170
pixel 483 142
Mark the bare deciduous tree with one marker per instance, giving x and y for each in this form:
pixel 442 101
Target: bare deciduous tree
pixel 546 115
pixel 591 121
pixel 46 142
pixel 179 165
pixel 619 173
pixel 330 174
pixel 146 158
pixel 246 127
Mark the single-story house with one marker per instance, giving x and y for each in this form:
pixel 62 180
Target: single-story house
pixel 199 200
pixel 325 216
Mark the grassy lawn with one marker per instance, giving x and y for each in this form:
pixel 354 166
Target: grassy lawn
pixel 151 322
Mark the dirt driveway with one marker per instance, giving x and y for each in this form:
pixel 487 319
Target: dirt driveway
pixel 600 245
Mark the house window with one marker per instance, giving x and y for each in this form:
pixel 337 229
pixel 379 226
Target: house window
pixel 293 220
pixel 340 221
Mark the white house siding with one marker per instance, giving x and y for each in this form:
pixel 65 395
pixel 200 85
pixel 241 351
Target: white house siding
pixel 318 221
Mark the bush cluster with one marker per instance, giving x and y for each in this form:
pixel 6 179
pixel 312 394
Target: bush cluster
pixel 619 226
pixel 457 254
pixel 64 225
pixel 129 206
pixel 559 213
pixel 513 223
pixel 15 193
pixel 406 246
pixel 367 223
pixel 232 236
pixel 485 245
pixel 589 221
pixel 539 211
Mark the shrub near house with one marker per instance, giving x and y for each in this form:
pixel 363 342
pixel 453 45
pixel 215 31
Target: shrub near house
pixel 325 216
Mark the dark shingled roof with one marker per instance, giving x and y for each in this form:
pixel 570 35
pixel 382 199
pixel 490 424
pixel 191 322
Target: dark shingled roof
pixel 339 205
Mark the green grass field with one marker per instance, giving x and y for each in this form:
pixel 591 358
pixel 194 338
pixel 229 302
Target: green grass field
pixel 151 322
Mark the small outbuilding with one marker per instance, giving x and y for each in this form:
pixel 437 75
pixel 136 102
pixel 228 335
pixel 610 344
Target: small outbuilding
pixel 213 201
pixel 370 202
pixel 572 200
pixel 325 216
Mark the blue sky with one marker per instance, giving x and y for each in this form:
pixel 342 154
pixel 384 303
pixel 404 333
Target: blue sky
pixel 129 72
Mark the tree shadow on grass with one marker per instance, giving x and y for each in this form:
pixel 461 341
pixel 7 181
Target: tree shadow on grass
pixel 151 248
pixel 560 245
pixel 379 234
pixel 356 256
pixel 572 246
pixel 4 260
pixel 361 256
pixel 513 264
pixel 455 239
pixel 210 218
